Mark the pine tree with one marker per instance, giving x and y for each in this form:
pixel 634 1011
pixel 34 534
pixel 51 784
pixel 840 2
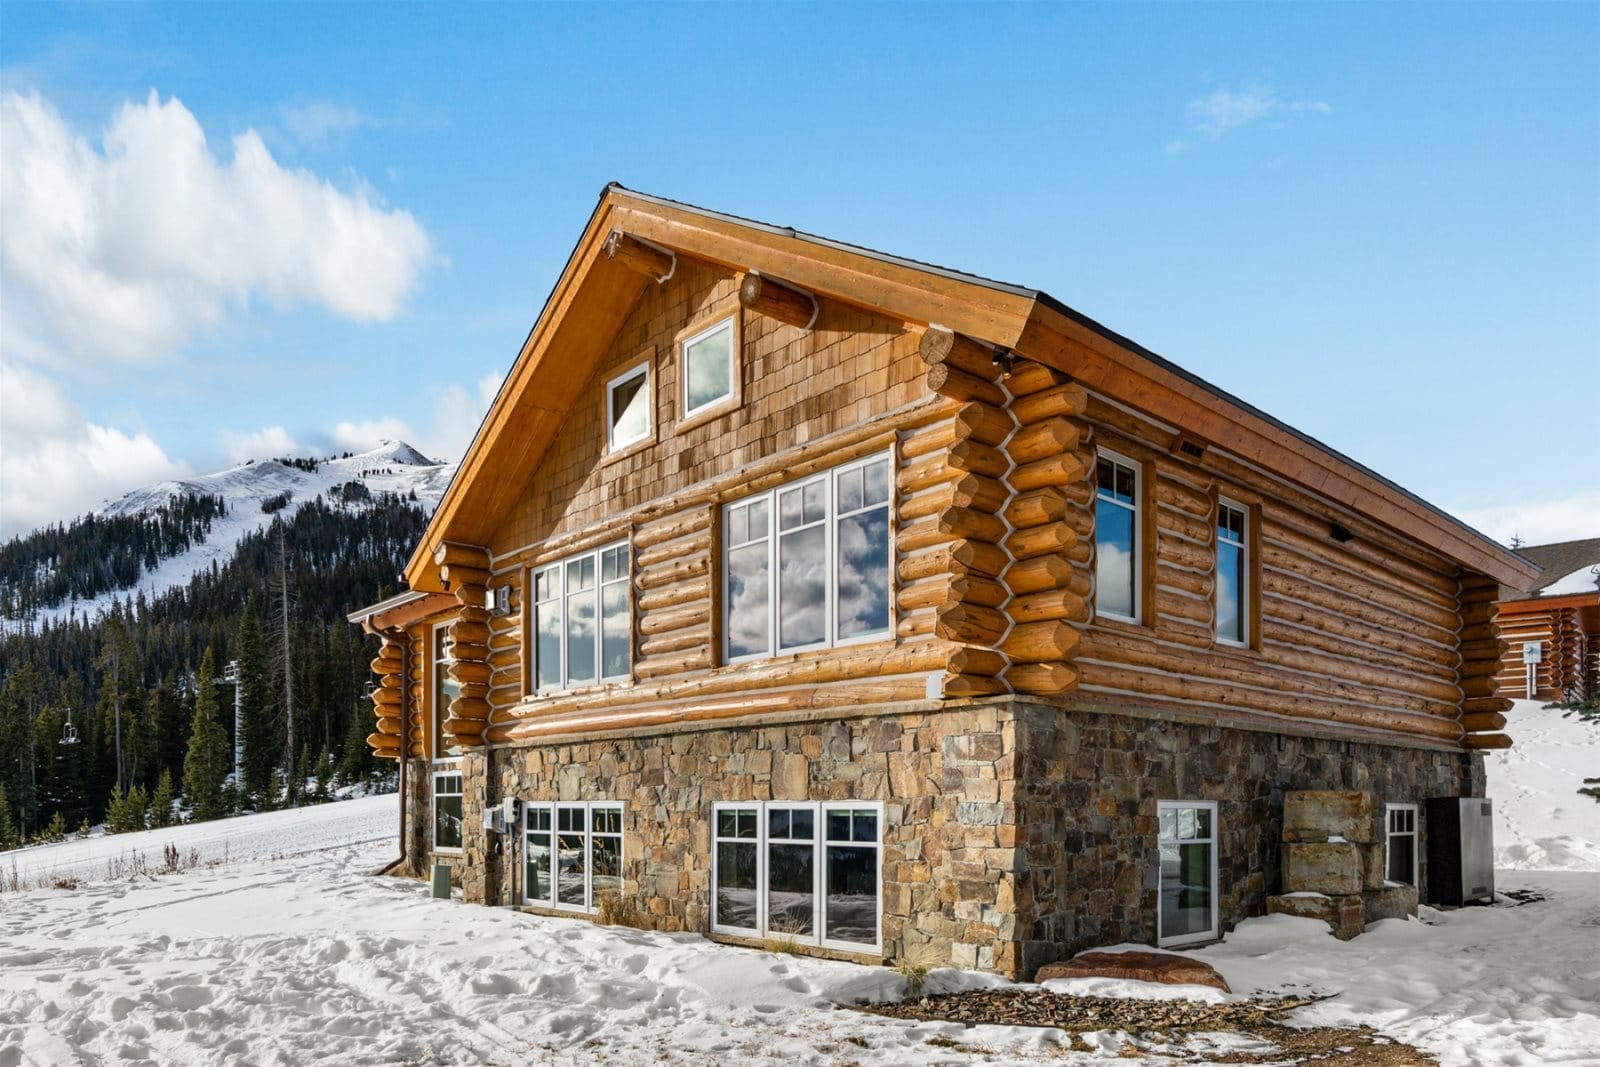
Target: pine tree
pixel 205 766
pixel 116 812
pixel 161 803
pixel 55 829
pixel 8 829
pixel 137 807
pixel 256 705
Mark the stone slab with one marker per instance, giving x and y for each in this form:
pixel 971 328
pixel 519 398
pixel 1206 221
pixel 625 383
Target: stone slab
pixel 1345 915
pixel 1320 814
pixel 1168 968
pixel 1331 868
pixel 1373 875
pixel 1389 902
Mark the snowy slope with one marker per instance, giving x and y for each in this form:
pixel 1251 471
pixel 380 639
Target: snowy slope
pixel 392 467
pixel 1540 820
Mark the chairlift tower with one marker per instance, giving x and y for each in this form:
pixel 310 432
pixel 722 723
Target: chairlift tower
pixel 230 676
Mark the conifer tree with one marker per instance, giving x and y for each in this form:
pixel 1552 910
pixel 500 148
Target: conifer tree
pixel 205 766
pixel 256 704
pixel 161 803
pixel 8 829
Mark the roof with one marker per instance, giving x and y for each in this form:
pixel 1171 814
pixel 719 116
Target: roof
pixel 593 296
pixel 401 609
pixel 1558 560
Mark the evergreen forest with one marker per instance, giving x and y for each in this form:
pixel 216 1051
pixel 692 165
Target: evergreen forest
pixel 129 718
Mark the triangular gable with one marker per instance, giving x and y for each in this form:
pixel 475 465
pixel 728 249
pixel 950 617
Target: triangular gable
pixel 596 293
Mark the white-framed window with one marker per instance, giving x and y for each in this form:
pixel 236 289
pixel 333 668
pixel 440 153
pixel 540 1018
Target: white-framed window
pixel 1400 843
pixel 1187 911
pixel 1116 537
pixel 628 400
pixel 572 853
pixel 582 620
pixel 806 565
pixel 811 871
pixel 445 690
pixel 1233 573
pixel 447 811
pixel 708 368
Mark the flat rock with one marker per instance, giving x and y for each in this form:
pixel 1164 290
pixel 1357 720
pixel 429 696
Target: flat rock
pixel 1165 967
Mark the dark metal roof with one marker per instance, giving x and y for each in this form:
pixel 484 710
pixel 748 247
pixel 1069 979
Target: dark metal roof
pixel 1558 560
pixel 1076 316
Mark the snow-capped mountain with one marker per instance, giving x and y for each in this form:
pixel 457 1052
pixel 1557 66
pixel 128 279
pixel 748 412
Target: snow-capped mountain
pixel 257 492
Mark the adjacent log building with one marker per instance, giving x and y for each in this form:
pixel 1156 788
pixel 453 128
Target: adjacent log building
pixel 1551 626
pixel 795 590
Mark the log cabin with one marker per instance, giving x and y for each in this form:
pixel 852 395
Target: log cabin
pixel 794 590
pixel 1551 626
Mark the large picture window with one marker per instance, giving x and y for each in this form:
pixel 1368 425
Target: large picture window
pixel 807 564
pixel 1233 574
pixel 1400 844
pixel 1188 845
pixel 447 812
pixel 1116 537
pixel 445 690
pixel 805 871
pixel 582 621
pixel 572 853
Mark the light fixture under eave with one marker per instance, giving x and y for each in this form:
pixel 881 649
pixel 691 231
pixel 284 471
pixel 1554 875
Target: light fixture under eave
pixel 1005 359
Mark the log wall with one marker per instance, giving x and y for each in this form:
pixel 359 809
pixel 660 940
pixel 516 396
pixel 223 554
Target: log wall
pixel 1367 632
pixel 1568 667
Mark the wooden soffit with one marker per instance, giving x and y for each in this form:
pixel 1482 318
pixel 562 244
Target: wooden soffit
pixel 595 294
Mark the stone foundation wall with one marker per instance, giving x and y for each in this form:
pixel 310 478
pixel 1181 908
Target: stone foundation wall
pixel 1014 833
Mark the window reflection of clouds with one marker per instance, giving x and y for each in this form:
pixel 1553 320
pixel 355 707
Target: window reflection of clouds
pixel 747 599
pixel 707 374
pixel 1114 577
pixel 802 587
pixel 863 584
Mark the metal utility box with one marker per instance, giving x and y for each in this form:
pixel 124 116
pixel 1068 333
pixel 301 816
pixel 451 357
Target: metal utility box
pixel 439 881
pixel 1460 833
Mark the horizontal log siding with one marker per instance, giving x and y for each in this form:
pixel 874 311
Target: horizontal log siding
pixel 1364 633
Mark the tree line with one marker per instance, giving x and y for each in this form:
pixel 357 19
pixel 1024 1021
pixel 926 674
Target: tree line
pixel 127 717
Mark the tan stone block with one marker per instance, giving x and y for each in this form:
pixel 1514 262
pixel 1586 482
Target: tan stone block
pixel 811 745
pixel 1318 814
pixel 1389 902
pixel 1331 868
pixel 1373 875
pixel 1344 914
pixel 792 780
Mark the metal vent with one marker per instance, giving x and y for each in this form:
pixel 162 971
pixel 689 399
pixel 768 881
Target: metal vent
pixel 1190 449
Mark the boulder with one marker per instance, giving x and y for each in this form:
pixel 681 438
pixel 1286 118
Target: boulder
pixel 1344 914
pixel 1321 814
pixel 1167 968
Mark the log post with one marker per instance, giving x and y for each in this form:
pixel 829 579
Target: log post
pixel 654 263
pixel 777 300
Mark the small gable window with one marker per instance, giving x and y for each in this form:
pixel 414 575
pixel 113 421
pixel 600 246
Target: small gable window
pixel 707 368
pixel 628 408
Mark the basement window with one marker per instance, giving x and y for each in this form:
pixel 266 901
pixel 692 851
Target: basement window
pixel 1116 537
pixel 572 854
pixel 1187 911
pixel 628 408
pixel 806 565
pixel 582 622
pixel 708 369
pixel 447 812
pixel 807 871
pixel 1400 844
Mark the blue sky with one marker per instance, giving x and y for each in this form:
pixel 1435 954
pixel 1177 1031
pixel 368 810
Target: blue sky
pixel 1380 223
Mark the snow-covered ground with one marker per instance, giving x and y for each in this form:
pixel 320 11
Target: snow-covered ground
pixel 392 467
pixel 291 952
pixel 1540 820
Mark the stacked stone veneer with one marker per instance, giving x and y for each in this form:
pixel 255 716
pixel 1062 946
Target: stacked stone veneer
pixel 1015 832
pixel 1333 863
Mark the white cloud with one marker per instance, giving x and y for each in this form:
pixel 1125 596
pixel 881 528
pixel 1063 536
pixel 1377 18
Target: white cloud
pixel 1539 522
pixel 269 442
pixel 55 464
pixel 1223 110
pixel 131 248
pixel 314 121
pixel 370 433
